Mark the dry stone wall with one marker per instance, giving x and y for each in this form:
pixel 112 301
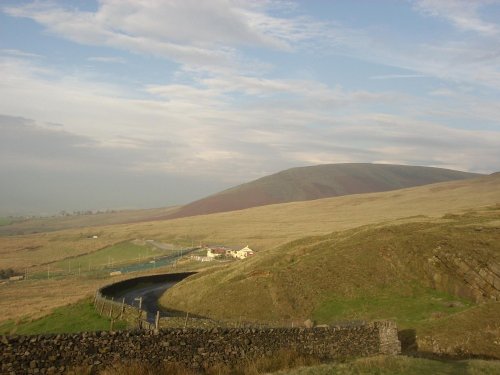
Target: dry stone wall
pixel 195 348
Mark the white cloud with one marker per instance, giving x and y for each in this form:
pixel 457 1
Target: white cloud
pixel 280 123
pixel 196 33
pixel 107 59
pixel 398 76
pixel 283 123
pixel 463 14
pixel 223 27
pixel 19 53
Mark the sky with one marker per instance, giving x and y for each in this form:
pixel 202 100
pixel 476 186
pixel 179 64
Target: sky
pixel 115 104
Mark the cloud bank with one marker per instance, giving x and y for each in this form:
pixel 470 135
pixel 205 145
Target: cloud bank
pixel 249 92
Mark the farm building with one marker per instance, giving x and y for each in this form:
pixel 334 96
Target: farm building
pixel 242 254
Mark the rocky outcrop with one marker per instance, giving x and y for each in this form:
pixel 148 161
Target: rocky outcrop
pixel 468 275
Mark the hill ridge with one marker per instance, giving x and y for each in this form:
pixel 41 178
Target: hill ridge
pixel 316 182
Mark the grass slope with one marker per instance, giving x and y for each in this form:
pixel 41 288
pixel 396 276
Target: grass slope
pixel 107 257
pixel 413 273
pixel 294 364
pixel 78 317
pixel 385 365
pixel 321 181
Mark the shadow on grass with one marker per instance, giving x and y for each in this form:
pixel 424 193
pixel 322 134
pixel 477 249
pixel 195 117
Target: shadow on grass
pixel 409 347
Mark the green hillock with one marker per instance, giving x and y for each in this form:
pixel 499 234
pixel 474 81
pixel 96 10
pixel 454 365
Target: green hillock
pixel 78 317
pixel 414 273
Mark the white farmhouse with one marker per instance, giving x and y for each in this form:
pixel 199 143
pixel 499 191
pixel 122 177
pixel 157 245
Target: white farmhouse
pixel 243 253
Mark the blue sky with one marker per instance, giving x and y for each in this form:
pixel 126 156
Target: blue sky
pixel 130 103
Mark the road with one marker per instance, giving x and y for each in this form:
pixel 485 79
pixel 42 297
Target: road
pixel 150 294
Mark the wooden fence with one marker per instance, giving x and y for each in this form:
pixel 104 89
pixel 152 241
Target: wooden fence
pixel 119 310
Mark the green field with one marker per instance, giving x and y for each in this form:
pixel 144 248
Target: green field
pixel 406 309
pixel 5 221
pixel 78 317
pixel 109 257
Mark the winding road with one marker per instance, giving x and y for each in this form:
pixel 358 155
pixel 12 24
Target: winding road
pixel 149 288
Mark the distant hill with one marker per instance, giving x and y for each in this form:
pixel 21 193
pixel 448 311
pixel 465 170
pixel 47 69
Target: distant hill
pixel 19 226
pixel 316 182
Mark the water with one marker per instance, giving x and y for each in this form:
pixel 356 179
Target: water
pixel 158 262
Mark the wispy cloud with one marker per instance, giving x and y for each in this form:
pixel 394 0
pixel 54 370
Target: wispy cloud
pixel 107 59
pixel 463 14
pixel 398 76
pixel 166 28
pixel 19 53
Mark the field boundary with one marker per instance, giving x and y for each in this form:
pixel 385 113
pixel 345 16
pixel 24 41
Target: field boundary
pixel 195 348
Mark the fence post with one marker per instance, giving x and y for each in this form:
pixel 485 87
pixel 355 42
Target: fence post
pixel 123 308
pixel 157 320
pixel 185 322
pixel 102 306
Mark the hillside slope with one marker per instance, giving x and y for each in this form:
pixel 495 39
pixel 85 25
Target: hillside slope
pixel 414 273
pixel 321 181
pixel 459 255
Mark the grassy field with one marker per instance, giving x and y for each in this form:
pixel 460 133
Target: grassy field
pixel 407 309
pixel 5 221
pixel 384 365
pixel 78 317
pixel 22 226
pixel 121 253
pixel 287 363
pixel 37 298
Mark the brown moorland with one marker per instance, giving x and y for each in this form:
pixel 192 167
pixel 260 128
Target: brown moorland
pixel 316 182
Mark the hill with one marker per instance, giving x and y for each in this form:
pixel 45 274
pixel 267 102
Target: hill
pixel 316 182
pixel 415 273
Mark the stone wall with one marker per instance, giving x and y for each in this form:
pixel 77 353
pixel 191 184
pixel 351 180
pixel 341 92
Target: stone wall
pixel 195 348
